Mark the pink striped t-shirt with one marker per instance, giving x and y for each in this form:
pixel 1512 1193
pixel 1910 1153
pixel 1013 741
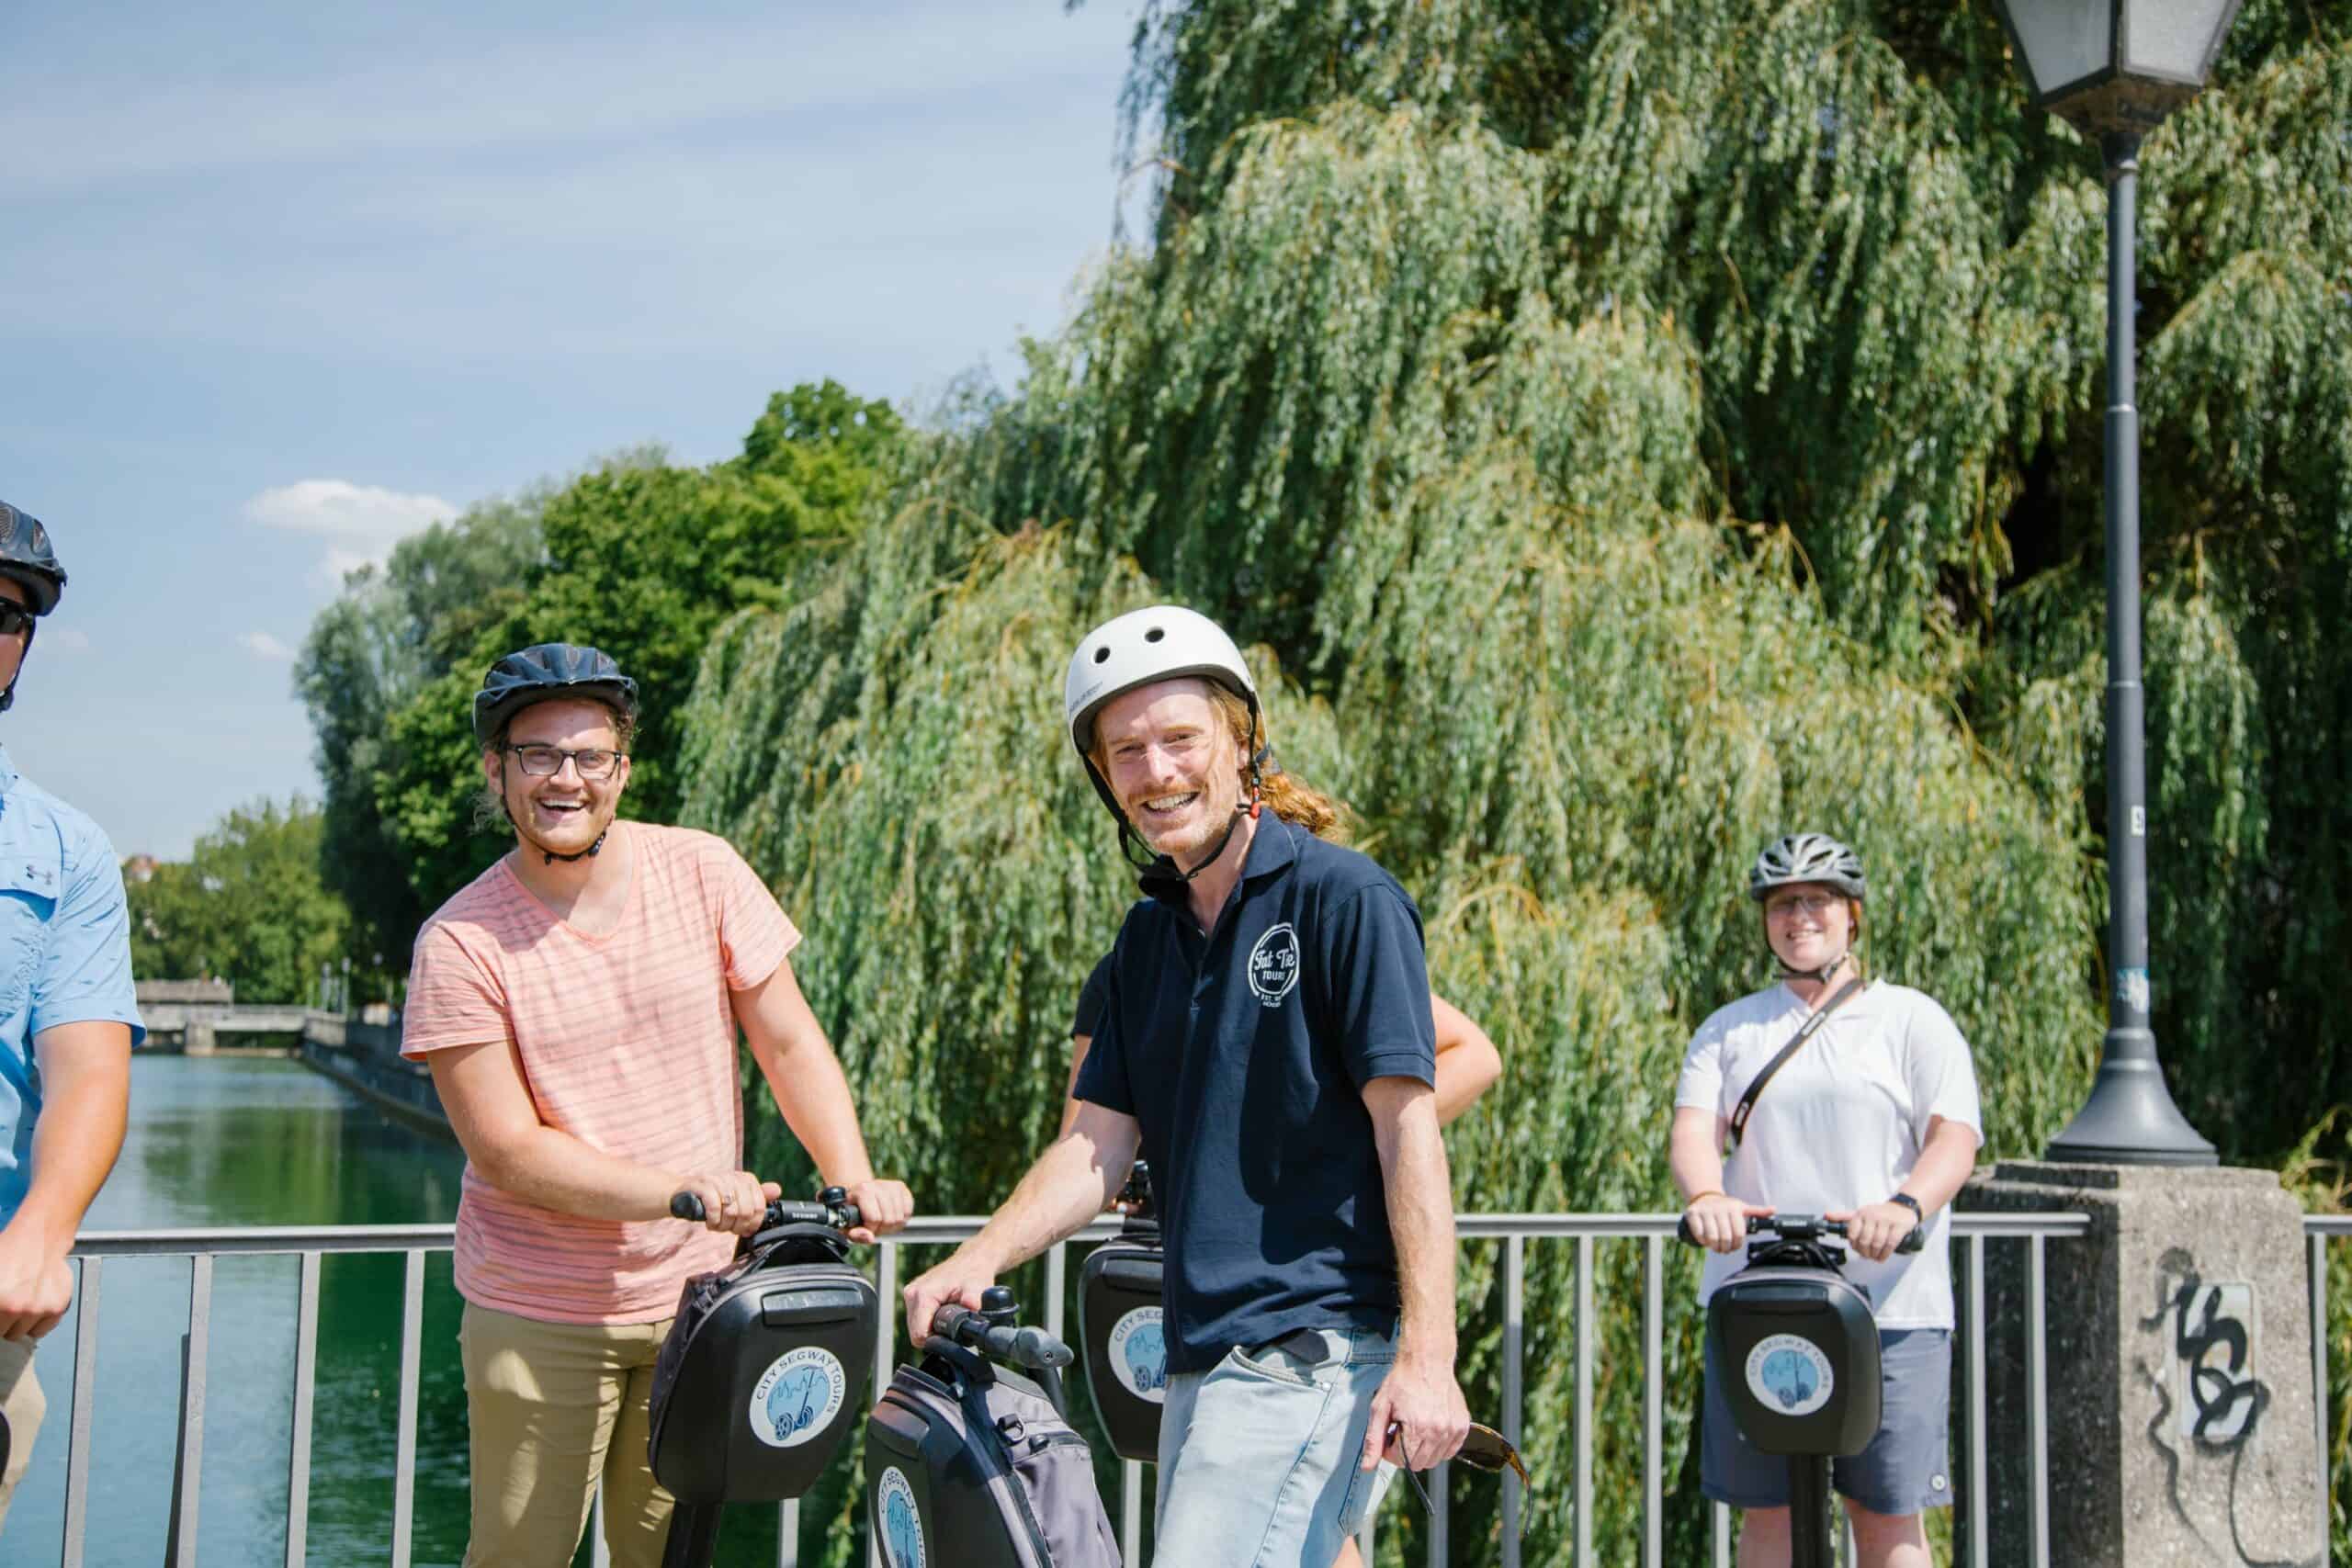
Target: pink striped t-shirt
pixel 626 1042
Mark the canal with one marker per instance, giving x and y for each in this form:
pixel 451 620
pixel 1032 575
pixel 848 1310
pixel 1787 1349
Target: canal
pixel 234 1141
pixel 229 1141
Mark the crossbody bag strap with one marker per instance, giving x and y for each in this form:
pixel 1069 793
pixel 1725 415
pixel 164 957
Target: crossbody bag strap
pixel 1810 1027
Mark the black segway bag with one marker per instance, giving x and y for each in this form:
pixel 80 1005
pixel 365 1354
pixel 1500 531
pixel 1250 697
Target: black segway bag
pixel 764 1374
pixel 1795 1349
pixel 969 1465
pixel 1125 1342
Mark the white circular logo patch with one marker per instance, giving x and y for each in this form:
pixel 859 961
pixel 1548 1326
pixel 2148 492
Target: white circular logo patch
pixel 1139 1353
pixel 797 1396
pixel 1274 964
pixel 894 1504
pixel 1789 1374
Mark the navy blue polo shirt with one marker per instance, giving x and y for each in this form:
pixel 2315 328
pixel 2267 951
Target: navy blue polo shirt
pixel 1243 1055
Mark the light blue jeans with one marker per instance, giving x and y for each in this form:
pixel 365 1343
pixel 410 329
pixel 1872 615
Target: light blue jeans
pixel 1259 1455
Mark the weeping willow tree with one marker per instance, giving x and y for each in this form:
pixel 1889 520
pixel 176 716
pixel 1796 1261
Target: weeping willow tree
pixel 1625 432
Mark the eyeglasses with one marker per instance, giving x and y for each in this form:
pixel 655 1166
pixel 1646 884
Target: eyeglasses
pixel 14 618
pixel 1814 904
pixel 1484 1448
pixel 546 762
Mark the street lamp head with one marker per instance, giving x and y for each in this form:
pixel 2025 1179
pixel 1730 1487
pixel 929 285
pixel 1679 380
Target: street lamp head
pixel 2111 67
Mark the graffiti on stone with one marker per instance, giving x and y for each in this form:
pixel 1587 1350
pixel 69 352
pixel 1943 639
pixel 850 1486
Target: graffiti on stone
pixel 2207 1392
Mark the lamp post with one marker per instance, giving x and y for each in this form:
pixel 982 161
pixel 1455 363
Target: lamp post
pixel 2113 69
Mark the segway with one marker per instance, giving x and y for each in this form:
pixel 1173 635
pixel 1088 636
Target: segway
pixel 1793 1344
pixel 762 1376
pixel 1119 1323
pixel 972 1465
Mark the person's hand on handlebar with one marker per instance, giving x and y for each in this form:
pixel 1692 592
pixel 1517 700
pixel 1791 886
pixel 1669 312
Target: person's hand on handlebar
pixel 882 1207
pixel 732 1200
pixel 1719 1221
pixel 960 1280
pixel 1875 1230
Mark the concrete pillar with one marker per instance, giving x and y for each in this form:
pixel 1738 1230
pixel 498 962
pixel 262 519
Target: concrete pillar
pixel 2182 1427
pixel 197 1041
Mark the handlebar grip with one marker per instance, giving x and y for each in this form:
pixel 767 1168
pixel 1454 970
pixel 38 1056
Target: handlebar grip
pixel 1028 1347
pixel 1914 1241
pixel 841 1217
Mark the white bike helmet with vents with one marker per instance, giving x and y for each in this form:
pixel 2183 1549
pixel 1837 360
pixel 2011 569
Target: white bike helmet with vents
pixel 1166 642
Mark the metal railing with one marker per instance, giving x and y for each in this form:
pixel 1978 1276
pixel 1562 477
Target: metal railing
pixel 1513 1233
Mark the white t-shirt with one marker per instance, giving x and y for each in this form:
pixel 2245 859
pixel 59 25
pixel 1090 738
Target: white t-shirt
pixel 1841 1124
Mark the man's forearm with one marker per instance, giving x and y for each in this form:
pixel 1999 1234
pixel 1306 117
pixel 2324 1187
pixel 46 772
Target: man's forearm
pixel 819 1111
pixel 555 1170
pixel 1420 1220
pixel 85 1104
pixel 1069 1185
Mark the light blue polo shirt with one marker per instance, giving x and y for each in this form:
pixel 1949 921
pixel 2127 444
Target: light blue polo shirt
pixel 64 952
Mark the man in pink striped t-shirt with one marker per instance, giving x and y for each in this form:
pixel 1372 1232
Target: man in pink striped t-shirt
pixel 578 1003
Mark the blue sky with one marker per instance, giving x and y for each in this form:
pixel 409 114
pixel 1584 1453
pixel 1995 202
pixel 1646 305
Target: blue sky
pixel 281 282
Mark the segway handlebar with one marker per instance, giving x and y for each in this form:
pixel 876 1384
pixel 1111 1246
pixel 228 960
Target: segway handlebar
pixel 1029 1348
pixel 832 1208
pixel 1801 1227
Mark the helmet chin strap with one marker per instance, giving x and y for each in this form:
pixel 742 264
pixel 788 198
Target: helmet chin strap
pixel 1818 976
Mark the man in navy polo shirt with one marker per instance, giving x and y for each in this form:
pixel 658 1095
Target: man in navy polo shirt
pixel 1267 1044
pixel 68 1018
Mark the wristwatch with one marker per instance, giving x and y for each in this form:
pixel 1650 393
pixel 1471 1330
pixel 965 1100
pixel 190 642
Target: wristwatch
pixel 1908 1202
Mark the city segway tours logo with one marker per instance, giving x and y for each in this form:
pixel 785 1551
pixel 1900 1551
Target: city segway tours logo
pixel 901 1531
pixel 1789 1374
pixel 797 1396
pixel 1139 1353
pixel 1274 964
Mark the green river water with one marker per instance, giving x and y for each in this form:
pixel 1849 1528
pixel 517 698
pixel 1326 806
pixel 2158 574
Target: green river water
pixel 229 1141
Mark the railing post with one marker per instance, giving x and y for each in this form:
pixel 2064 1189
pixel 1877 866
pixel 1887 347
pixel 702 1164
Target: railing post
pixel 412 1346
pixel 297 1458
pixel 1652 1401
pixel 1586 1335
pixel 85 1399
pixel 1514 1380
pixel 187 1472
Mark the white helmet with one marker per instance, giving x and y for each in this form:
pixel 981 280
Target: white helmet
pixel 1166 642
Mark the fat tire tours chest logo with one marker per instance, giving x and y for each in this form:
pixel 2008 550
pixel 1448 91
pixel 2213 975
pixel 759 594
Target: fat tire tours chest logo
pixel 1275 965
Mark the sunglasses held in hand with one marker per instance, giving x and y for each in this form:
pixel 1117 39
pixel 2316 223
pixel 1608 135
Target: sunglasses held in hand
pixel 1485 1446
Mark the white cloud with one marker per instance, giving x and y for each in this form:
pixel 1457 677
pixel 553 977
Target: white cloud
pixel 363 522
pixel 341 510
pixel 260 645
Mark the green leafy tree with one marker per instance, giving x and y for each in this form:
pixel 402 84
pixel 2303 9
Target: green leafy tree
pixel 247 906
pixel 1627 432
pixel 638 556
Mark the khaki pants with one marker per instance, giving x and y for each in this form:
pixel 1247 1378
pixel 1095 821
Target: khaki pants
pixel 21 1403
pixel 550 1407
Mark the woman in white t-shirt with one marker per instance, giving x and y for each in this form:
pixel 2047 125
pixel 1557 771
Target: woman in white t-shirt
pixel 1874 1121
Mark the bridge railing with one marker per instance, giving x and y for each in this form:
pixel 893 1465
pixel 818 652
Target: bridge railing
pixel 1513 1233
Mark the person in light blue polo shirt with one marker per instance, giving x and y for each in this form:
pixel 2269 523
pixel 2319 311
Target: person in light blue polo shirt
pixel 68 1019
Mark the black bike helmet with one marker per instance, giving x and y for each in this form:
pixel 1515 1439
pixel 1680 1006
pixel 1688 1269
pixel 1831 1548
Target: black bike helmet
pixel 1806 857
pixel 26 557
pixel 543 673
